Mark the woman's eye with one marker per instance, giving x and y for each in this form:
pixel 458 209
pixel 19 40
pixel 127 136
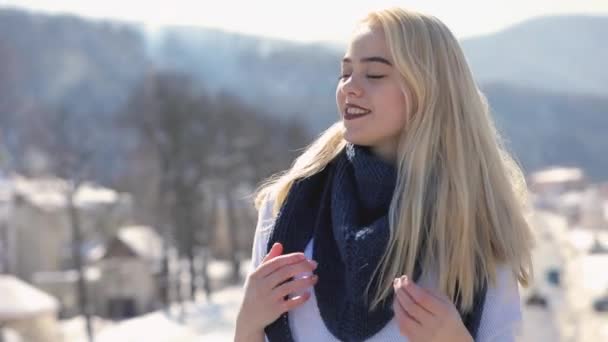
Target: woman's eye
pixel 368 76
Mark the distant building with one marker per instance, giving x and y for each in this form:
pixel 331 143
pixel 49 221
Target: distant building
pixel 567 191
pixel 592 214
pixel 557 180
pixel 37 233
pixel 28 311
pixel 129 265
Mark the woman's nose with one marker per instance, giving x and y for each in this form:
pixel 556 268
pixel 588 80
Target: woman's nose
pixel 352 87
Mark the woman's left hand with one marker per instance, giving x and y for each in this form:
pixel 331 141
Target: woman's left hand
pixel 426 316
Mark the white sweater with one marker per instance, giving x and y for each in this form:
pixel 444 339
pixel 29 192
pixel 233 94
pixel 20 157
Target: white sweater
pixel 500 322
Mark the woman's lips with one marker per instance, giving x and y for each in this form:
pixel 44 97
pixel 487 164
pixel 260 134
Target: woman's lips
pixel 354 116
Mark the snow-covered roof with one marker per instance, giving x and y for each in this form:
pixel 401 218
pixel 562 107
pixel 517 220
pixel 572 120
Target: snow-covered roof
pixel 144 241
pixel 558 175
pixel 22 300
pixel 49 193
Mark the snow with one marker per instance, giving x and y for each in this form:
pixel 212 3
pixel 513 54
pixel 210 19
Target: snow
pixel 143 240
pixel 21 300
pixel 155 327
pixel 208 321
pixel 205 321
pixel 216 320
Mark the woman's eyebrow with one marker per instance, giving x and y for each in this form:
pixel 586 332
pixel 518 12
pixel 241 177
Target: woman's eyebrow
pixel 369 59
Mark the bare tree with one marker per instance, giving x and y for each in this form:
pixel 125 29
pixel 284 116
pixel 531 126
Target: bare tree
pixel 72 143
pixel 178 121
pixel 249 147
pixel 199 139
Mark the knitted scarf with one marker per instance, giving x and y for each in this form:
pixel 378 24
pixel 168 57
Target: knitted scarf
pixel 344 208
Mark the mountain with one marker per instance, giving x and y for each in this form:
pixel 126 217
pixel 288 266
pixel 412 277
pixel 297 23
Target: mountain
pixel 563 53
pixel 546 128
pixel 545 79
pixel 548 53
pixel 51 64
pixel 69 61
pixel 284 78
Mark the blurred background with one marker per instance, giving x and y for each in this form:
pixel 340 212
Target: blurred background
pixel 132 136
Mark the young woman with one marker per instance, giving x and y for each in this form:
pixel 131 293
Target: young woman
pixel 404 221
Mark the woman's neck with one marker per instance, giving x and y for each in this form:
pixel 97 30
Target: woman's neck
pixel 386 151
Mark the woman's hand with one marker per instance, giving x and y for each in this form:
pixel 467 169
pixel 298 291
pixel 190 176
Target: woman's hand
pixel 426 316
pixel 266 289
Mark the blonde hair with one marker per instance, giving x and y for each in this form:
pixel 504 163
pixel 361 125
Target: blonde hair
pixel 458 190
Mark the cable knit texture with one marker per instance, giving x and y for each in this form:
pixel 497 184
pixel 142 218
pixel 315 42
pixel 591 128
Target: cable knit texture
pixel 344 209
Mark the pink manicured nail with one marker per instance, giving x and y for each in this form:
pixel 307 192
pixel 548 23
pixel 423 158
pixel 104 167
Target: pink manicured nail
pixel 314 263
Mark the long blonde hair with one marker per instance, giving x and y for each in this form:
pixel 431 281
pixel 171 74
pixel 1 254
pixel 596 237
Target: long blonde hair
pixel 458 190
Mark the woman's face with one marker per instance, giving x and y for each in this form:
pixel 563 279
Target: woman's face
pixel 369 96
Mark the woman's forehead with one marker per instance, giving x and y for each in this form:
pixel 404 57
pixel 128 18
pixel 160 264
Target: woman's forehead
pixel 367 41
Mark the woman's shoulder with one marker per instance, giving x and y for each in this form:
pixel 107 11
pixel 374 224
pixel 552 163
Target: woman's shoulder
pixel 262 230
pixel 265 212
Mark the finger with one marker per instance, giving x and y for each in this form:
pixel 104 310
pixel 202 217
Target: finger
pixel 274 264
pixel 294 286
pixel 408 326
pixel 288 271
pixel 439 295
pixel 422 297
pixel 292 303
pixel 275 250
pixel 420 314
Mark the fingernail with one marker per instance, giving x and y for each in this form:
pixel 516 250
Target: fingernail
pixel 314 263
pixel 398 282
pixel 404 280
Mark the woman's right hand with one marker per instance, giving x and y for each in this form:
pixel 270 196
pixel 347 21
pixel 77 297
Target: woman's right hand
pixel 267 287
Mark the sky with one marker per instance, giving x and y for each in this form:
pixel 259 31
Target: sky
pixel 312 20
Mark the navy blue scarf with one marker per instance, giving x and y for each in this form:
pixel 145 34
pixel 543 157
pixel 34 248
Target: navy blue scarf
pixel 344 208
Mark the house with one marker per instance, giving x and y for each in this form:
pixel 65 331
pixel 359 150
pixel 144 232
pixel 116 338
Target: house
pixel 557 180
pixel 592 214
pixel 37 229
pixel 129 265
